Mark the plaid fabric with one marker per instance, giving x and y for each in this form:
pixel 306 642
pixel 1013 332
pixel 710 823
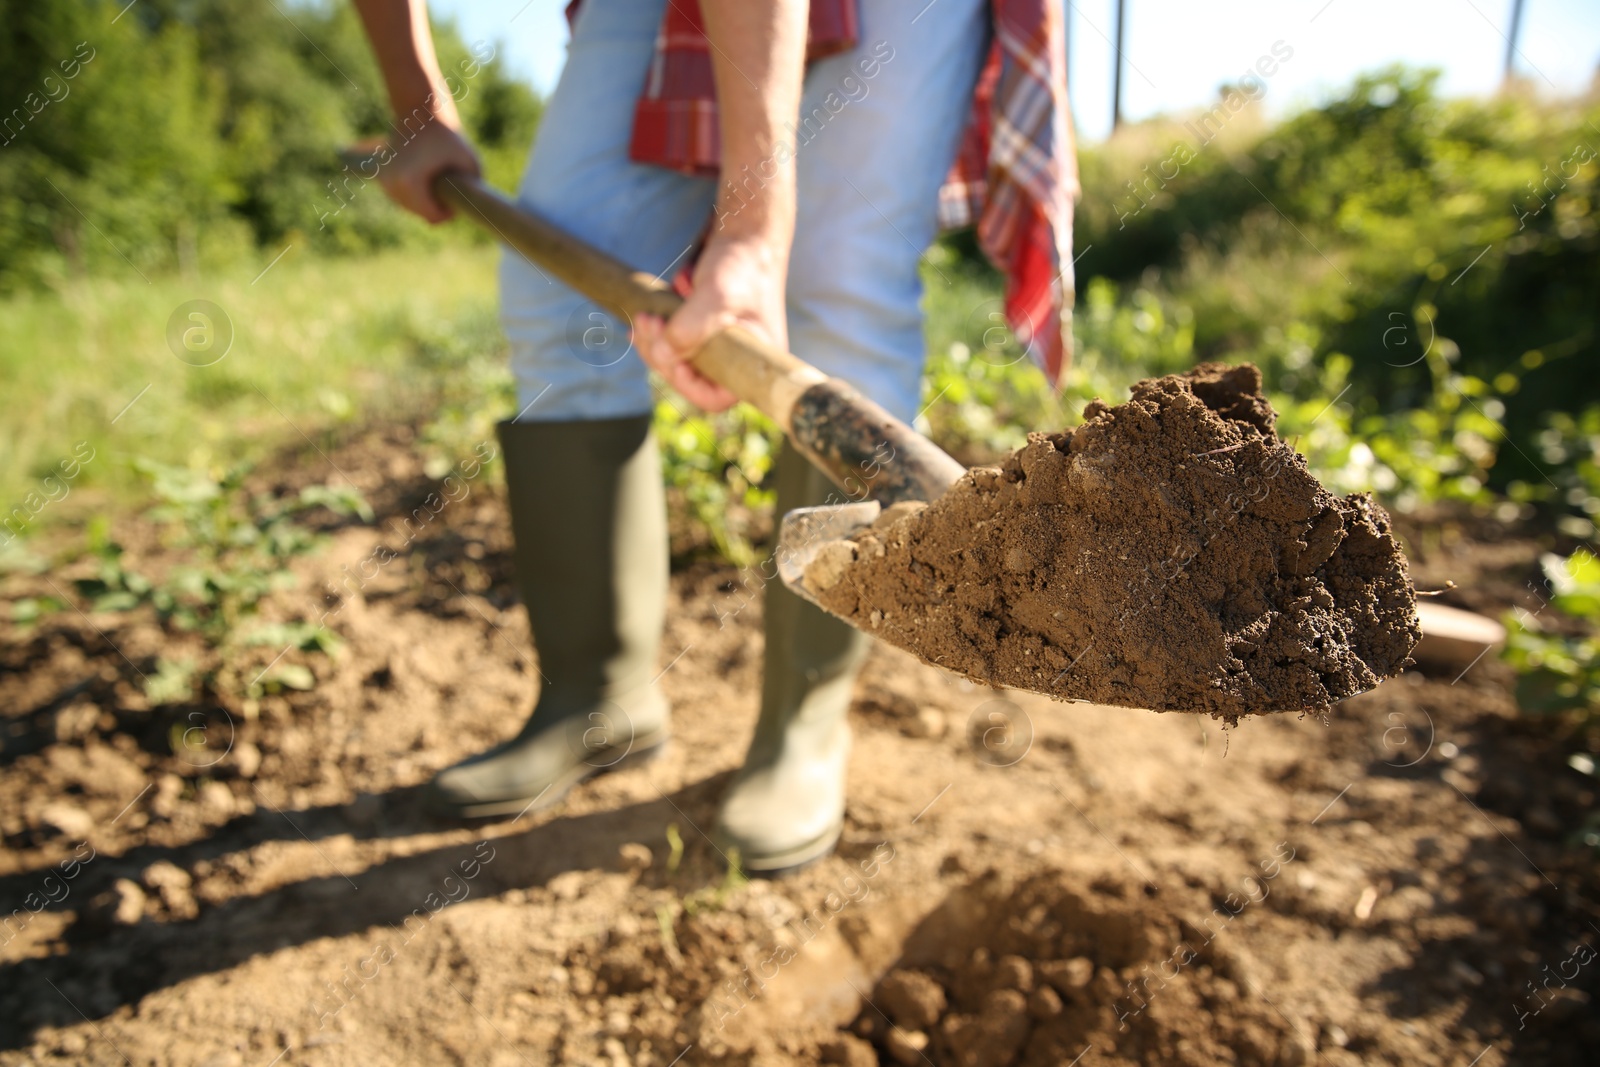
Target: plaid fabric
pixel 675 121
pixel 1015 176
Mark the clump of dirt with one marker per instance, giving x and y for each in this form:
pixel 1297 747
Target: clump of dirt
pixel 1018 975
pixel 1170 553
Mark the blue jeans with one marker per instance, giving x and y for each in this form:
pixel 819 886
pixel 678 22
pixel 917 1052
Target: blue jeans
pixel 871 153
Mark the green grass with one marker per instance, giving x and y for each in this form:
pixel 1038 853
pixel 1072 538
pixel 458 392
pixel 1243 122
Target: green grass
pixel 317 342
pixel 320 342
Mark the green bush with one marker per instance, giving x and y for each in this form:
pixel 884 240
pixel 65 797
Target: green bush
pixel 1569 447
pixel 1559 671
pixel 1386 224
pixel 983 395
pixel 190 131
pixel 716 468
pixel 1555 650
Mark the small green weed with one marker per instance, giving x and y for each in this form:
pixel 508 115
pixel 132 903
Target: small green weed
pixel 716 897
pixel 238 547
pixel 712 897
pixel 1556 671
pixel 719 465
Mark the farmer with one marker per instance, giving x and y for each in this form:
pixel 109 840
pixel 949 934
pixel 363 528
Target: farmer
pixel 801 161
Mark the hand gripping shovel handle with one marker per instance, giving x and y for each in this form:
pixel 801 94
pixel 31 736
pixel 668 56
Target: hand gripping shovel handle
pixel 867 452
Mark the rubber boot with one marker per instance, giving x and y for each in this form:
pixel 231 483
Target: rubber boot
pixel 588 515
pixel 785 807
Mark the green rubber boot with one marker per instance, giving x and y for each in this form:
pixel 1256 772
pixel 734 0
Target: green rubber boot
pixel 785 807
pixel 589 519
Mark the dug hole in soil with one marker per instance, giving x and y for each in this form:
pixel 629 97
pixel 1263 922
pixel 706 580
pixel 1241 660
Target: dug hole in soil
pixel 1020 881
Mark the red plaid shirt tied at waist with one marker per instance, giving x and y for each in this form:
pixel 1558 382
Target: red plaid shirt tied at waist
pixel 1015 175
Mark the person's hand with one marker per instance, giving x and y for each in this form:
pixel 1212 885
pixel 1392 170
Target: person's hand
pixel 738 280
pixel 408 170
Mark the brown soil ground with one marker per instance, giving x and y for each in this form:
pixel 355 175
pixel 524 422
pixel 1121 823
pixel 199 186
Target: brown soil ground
pixel 1020 881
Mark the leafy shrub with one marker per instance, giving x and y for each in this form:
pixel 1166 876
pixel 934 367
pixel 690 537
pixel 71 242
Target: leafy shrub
pixel 1559 671
pixel 716 466
pixel 983 395
pixel 1569 445
pixel 1556 655
pixel 196 130
pixel 1380 225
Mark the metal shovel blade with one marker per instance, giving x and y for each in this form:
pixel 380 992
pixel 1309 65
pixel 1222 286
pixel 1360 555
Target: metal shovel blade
pixel 804 530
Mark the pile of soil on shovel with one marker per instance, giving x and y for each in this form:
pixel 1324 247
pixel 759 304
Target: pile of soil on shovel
pixel 1170 553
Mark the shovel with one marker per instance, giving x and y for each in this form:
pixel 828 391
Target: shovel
pixel 1333 609
pixel 875 459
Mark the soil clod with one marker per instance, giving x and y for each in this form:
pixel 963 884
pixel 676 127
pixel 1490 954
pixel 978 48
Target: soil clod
pixel 1169 553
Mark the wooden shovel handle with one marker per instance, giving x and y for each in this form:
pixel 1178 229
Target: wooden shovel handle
pixel 751 369
pixel 866 451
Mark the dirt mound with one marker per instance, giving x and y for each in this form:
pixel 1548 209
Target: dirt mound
pixel 1170 553
pixel 1008 975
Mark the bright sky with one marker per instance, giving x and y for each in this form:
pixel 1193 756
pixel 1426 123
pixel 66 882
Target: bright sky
pixel 1178 51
